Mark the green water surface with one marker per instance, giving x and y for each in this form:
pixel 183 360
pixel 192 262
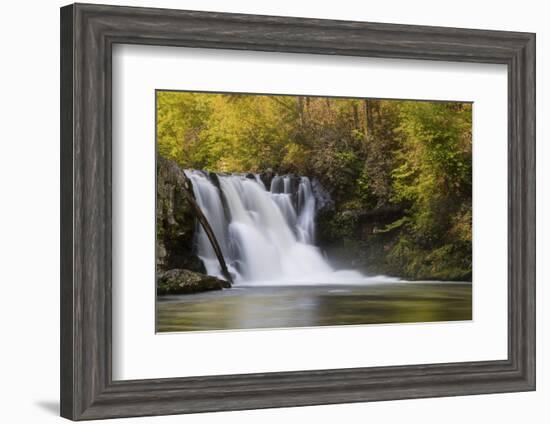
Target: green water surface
pixel 251 307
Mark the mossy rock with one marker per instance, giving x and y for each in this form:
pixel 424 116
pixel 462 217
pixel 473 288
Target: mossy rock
pixel 183 281
pixel 176 222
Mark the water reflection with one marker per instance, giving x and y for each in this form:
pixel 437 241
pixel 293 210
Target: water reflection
pixel 307 306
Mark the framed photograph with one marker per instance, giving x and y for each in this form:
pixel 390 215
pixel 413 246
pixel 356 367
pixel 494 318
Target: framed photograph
pixel 263 212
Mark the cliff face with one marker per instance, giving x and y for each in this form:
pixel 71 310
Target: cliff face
pixel 176 224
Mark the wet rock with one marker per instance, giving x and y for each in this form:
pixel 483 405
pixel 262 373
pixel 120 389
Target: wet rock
pixel 267 177
pixel 175 220
pixel 214 179
pixel 183 281
pixel 323 200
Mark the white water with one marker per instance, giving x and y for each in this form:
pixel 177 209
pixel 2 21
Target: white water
pixel 266 236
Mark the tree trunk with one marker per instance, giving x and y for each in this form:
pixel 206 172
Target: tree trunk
pixel 207 229
pixel 355 116
pixel 368 116
pixel 301 111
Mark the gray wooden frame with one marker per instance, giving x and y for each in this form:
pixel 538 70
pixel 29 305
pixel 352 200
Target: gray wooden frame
pixel 88 33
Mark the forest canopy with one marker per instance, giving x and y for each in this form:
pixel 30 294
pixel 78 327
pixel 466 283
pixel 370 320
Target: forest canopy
pixel 399 172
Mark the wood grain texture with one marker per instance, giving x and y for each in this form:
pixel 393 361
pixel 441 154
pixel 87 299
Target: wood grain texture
pixel 66 215
pixel 88 33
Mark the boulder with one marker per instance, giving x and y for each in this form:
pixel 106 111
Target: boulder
pixel 267 177
pixel 183 281
pixel 176 223
pixel 323 200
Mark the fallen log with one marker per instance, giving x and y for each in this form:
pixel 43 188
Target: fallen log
pixel 188 192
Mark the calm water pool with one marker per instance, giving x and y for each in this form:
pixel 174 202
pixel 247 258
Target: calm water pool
pixel 251 307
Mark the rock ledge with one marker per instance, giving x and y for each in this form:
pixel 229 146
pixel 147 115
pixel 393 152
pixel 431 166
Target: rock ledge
pixel 183 281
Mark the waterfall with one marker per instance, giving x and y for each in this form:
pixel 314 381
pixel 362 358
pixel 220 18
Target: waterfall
pixel 265 235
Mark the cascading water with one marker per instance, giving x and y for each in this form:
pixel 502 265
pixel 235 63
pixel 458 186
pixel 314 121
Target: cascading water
pixel 266 236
